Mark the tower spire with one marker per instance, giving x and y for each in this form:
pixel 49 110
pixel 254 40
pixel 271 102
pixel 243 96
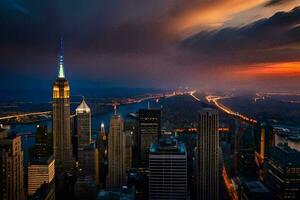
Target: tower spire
pixel 61 73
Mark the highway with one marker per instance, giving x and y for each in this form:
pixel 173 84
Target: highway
pixel 215 101
pixel 192 94
pixel 229 185
pixel 25 115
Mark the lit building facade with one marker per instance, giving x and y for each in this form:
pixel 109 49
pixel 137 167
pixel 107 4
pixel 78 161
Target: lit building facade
pixel 43 142
pixel 207 159
pixel 149 130
pixel 40 171
pixel 282 172
pixel 167 170
pixel 83 116
pixel 11 167
pixel 116 148
pixel 62 145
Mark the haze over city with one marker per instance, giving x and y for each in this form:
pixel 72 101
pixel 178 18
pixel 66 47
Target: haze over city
pixel 208 44
pixel 150 99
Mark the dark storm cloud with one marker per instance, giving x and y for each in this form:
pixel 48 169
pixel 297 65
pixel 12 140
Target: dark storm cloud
pixel 132 42
pixel 266 40
pixel 276 2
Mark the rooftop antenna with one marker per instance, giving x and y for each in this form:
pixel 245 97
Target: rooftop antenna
pixel 61 73
pixel 115 108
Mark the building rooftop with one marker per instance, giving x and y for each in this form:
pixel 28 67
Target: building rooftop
pixel 255 187
pixel 285 155
pixel 41 160
pixel 83 107
pixel 123 193
pixel 168 144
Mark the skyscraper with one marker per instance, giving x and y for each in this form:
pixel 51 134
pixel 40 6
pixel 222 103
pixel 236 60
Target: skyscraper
pixel 40 171
pixel 149 130
pixel 116 140
pixel 102 148
pixel 62 145
pixel 167 170
pixel 207 160
pixel 43 142
pixel 88 162
pixel 282 172
pixel 128 150
pixel 11 167
pixel 83 116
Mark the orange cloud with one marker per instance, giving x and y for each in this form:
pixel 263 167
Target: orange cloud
pixel 269 70
pixel 212 15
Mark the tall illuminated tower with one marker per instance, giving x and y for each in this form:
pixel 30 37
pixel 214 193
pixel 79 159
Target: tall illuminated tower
pixel 116 148
pixel 207 159
pixel 62 146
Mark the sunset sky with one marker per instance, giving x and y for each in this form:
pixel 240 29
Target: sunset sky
pixel 206 44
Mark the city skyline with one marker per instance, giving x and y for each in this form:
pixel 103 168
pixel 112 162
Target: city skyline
pixel 150 100
pixel 239 45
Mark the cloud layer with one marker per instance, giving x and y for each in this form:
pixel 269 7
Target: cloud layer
pixel 129 43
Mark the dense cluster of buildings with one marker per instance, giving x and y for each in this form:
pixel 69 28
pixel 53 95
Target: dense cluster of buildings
pixel 139 161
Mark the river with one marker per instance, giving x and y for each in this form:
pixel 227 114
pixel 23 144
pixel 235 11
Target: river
pixel 27 131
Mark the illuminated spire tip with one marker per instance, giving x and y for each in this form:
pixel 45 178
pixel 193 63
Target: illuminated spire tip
pixel 61 73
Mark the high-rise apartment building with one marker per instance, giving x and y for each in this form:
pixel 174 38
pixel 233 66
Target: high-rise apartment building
pixel 11 167
pixel 207 160
pixel 62 145
pixel 83 116
pixel 149 130
pixel 167 170
pixel 40 171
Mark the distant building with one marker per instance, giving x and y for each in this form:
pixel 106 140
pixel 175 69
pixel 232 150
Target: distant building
pixel 149 130
pixel 85 188
pixel 40 171
pixel 207 155
pixel 128 150
pixel 116 150
pixel 45 192
pixel 43 142
pixel 167 170
pixel 83 116
pixel 102 148
pixel 138 178
pixel 62 145
pixel 119 193
pixel 254 190
pixel 11 167
pixel 246 152
pixel 282 172
pixel 88 162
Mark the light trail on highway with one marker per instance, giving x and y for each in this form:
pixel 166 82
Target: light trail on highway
pixel 25 115
pixel 229 185
pixel 192 95
pixel 215 101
